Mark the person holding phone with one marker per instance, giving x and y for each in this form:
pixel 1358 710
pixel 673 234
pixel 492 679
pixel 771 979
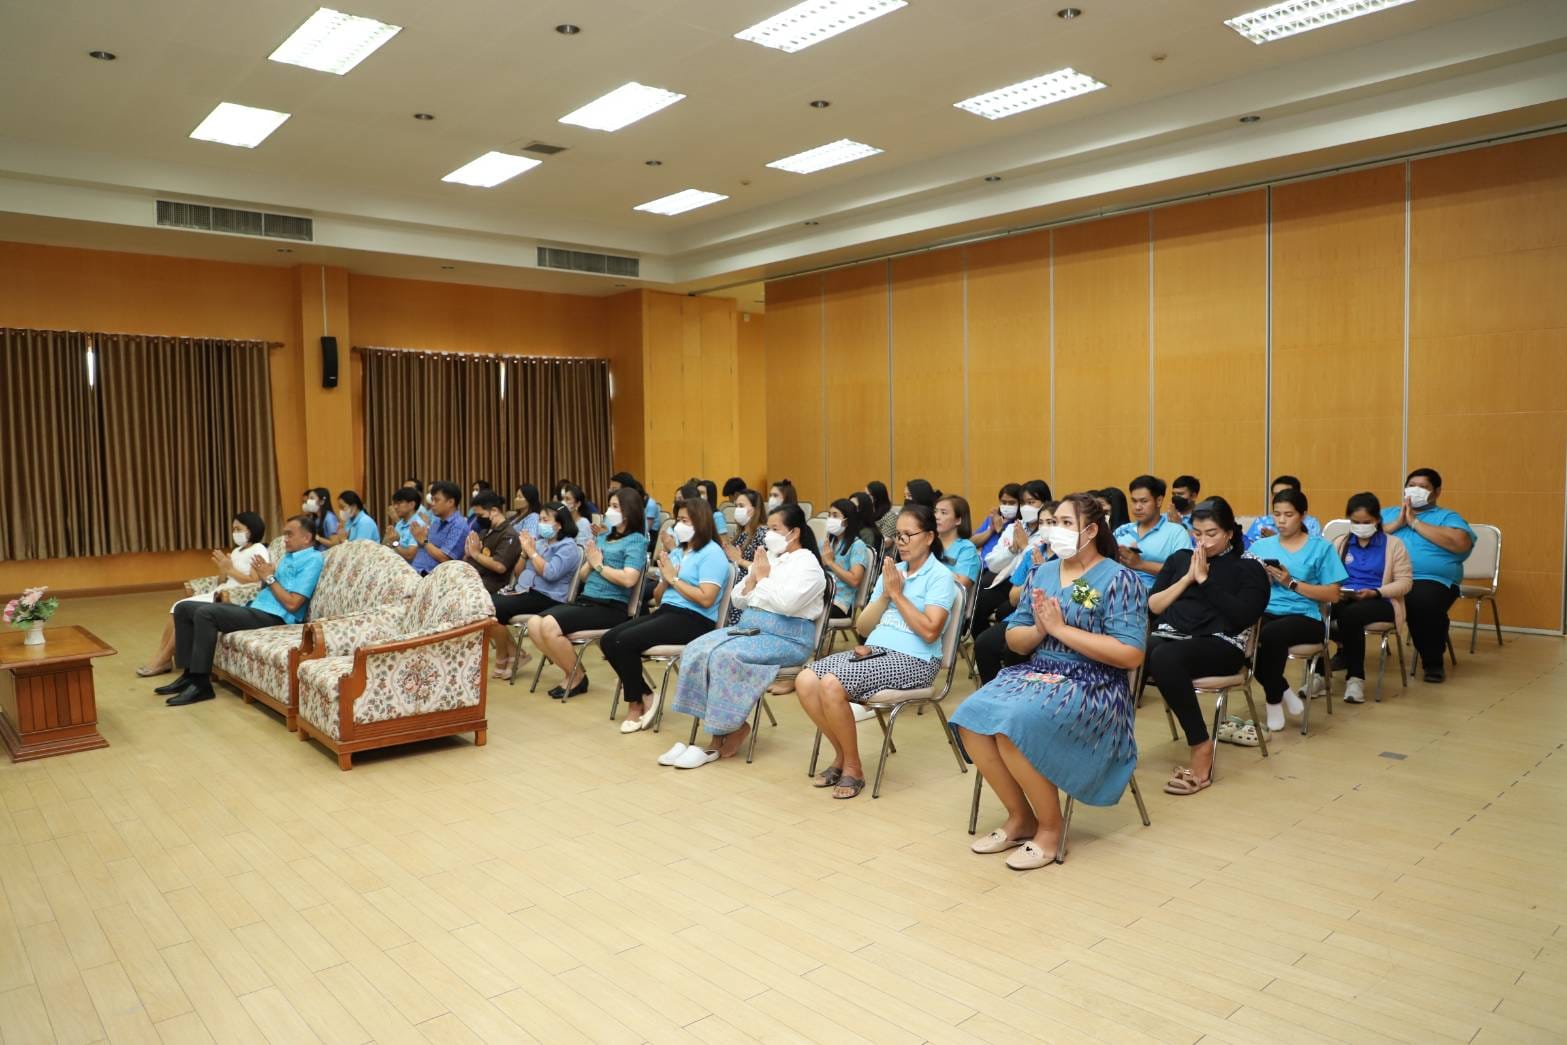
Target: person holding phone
pixel 1438 541
pixel 1063 720
pixel 725 672
pixel 1306 573
pixel 1150 538
pixel 1262 526
pixel 905 619
pixel 1378 576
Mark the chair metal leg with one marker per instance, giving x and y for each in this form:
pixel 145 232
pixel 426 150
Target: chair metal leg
pixel 1305 704
pixel 1137 796
pixel 516 655
pixel 1220 704
pixel 952 740
pixel 886 746
pixel 614 701
pixel 543 660
pixel 881 720
pixel 816 750
pixel 1066 825
pixel 768 708
pixel 1474 628
pixel 696 723
pixel 1170 717
pixel 1251 705
pixel 973 810
pixel 1403 672
pixel 1382 664
pixel 756 729
pixel 663 692
pixel 1496 619
pixel 1451 652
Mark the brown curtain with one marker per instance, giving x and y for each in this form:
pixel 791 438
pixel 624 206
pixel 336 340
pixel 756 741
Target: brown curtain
pixel 51 464
pixel 187 440
pixel 464 417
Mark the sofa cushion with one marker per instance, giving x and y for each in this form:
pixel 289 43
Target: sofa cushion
pixel 438 677
pixel 359 576
pixel 259 658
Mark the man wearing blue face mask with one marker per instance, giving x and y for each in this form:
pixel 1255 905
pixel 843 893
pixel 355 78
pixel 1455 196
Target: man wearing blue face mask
pixel 1438 541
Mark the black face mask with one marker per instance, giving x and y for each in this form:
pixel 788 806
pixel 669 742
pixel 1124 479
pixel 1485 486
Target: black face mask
pixel 1181 504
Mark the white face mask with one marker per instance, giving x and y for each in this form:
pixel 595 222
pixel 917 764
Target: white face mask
pixel 311 506
pixel 613 518
pixel 241 538
pixel 1030 514
pixel 1064 542
pixel 349 513
pixel 743 515
pixel 774 502
pixel 473 495
pixel 834 526
pixel 1418 496
pixel 1363 530
pixel 429 499
pixel 546 530
pixel 683 532
pixel 776 542
pixel 1008 511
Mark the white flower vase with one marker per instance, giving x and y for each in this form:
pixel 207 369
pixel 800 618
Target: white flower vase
pixel 35 634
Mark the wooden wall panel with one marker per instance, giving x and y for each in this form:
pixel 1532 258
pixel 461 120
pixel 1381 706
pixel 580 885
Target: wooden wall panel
pixel 1008 362
pixel 672 422
pixel 855 328
pixel 1210 309
pixel 794 386
pixel 1101 352
pixel 751 379
pixel 928 424
pixel 1488 353
pixel 1338 335
pixel 719 451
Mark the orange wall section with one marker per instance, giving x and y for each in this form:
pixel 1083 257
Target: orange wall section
pixel 929 430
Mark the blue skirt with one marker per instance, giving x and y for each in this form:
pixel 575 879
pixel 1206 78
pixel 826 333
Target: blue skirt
pixel 723 675
pixel 1072 719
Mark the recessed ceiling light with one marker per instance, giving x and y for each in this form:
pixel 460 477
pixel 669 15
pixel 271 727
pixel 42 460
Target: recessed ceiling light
pixel 1301 16
pixel 654 163
pixel 423 116
pixel 1066 14
pixel 810 224
pixel 240 125
pixel 680 202
pixel 1250 118
pixel 621 107
pixel 820 103
pixel 490 170
pixel 333 42
pixel 813 21
pixel 447 268
pixel 620 286
pixel 567 29
pixel 103 56
pixel 1030 94
pixel 285 250
pixel 992 177
pixel 820 158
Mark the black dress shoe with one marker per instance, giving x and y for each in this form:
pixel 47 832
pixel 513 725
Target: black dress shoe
pixel 559 692
pixel 1436 676
pixel 191 694
pixel 175 686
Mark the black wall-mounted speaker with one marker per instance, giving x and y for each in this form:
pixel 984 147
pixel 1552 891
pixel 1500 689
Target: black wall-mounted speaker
pixel 329 362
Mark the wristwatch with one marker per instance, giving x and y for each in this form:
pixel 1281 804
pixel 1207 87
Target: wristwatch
pixel 269 580
pixel 1294 584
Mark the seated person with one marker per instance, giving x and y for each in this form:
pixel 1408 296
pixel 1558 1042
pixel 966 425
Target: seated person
pixel 525 502
pixel 545 566
pixel 883 510
pixel 481 486
pixel 1438 541
pixel 1206 601
pixel 405 512
pixel 249 533
pixel 780 493
pixel 691 583
pixel 284 598
pixel 725 672
pixel 576 501
pixel 845 555
pixel 1305 573
pixel 1063 720
pixel 491 546
pixel 999 519
pixel 1262 525
pixel 720 521
pixel 317 504
pixel 746 536
pixel 1377 577
pixel 1183 494
pixel 650 506
pixel 443 539
pixel 991 652
pixel 615 559
pixel 584 508
pixel 869 532
pixel 953 531
pixel 734 486
pixel 426 516
pixel 356 522
pixel 905 617
pixel 1149 538
pixel 1114 503
pixel 995 582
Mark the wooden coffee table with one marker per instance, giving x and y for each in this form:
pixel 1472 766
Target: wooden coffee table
pixel 47 705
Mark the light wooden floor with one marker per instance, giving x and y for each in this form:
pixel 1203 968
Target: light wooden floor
pixel 209 878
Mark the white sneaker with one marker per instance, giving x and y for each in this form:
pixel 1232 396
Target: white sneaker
pixel 1319 685
pixel 1275 718
pixel 1292 703
pixel 1355 691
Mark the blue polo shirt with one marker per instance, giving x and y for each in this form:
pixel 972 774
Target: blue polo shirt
pixel 932 585
pixel 1430 561
pixel 405 533
pixel 1254 531
pixel 707 565
pixel 629 551
pixel 297 573
pixel 447 534
pixel 963 559
pixel 528 524
pixel 857 555
pixel 362 528
pixel 1025 563
pixel 1315 563
pixel 1162 540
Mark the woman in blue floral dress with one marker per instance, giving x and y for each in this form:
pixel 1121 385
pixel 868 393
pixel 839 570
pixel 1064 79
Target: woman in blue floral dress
pixel 1063 720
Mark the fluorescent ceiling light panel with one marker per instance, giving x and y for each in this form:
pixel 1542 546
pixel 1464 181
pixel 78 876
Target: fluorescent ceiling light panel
pixel 490 170
pixel 1302 16
pixel 334 42
pixel 622 107
pixel 240 125
pixel 814 21
pixel 1030 94
pixel 844 150
pixel 680 202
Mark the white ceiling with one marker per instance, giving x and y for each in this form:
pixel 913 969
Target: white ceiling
pixel 88 142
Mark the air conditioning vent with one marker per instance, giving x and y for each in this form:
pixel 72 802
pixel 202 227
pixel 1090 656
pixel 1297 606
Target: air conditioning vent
pixel 585 261
pixel 542 149
pixel 234 222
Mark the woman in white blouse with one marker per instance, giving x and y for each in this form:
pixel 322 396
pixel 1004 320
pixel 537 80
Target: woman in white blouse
pixel 725 672
pixel 248 533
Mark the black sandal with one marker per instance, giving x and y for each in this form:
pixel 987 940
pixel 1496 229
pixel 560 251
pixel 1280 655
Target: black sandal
pixel 827 777
pixel 853 783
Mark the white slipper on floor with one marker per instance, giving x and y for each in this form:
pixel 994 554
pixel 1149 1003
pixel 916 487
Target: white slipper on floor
pixel 695 758
pixel 668 757
pixel 861 713
pixel 631 725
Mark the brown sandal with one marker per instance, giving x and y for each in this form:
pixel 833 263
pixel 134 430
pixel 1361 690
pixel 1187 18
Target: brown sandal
pixel 1184 782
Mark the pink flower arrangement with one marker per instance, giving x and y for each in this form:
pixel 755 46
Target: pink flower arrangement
pixel 31 607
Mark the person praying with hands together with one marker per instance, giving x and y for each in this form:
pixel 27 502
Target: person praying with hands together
pixel 1438 541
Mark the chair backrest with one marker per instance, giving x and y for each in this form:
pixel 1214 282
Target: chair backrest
pixel 449 597
pixel 661 521
pixel 1334 529
pixel 867 584
pixel 361 575
pixel 1485 559
pixel 824 618
pixel 726 595
pixel 951 636
pixel 1253 638
pixel 634 604
pixel 807 508
pixel 728 512
pixel 819 528
pixel 970 605
pixel 578 579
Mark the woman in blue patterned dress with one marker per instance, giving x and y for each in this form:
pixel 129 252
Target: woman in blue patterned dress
pixel 1063 720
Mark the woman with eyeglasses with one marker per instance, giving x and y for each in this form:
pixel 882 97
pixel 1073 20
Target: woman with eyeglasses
pixel 905 618
pixel 1063 720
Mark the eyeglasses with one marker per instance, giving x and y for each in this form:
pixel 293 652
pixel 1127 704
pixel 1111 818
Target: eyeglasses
pixel 901 536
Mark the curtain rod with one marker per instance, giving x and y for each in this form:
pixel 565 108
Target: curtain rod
pixel 131 333
pixel 470 353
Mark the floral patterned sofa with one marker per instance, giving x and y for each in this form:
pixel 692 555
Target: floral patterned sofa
pixel 242 594
pixel 418 676
pixel 359 578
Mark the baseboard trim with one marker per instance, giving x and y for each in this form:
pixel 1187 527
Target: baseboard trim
pixel 93 593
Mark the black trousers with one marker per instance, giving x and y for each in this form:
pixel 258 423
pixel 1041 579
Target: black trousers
pixel 991 601
pixel 521 605
pixel 1174 663
pixel 991 652
pixel 1352 617
pixel 197 626
pixel 1273 648
pixel 624 644
pixel 1427 604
